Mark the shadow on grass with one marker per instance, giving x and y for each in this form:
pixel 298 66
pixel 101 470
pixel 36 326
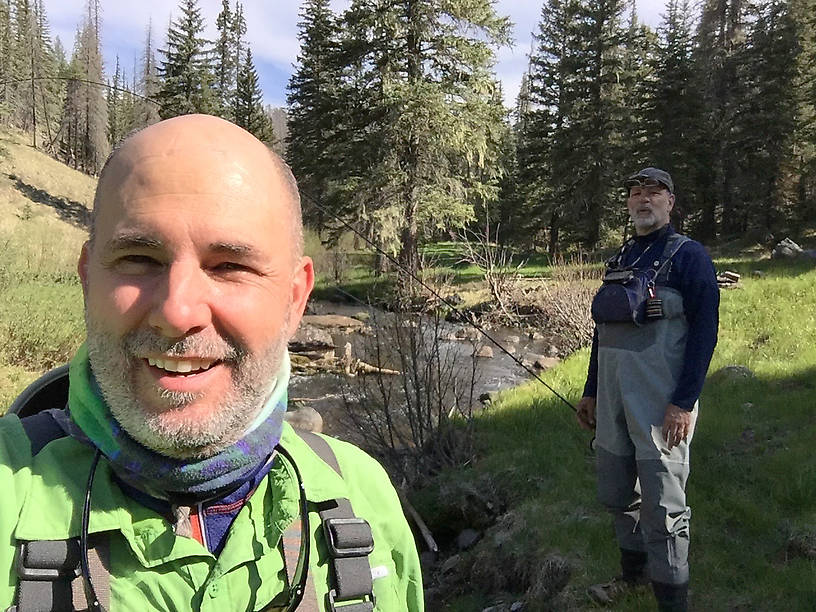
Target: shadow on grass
pixel 71 211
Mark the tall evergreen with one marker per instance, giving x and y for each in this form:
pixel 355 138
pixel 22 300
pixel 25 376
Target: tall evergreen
pixel 674 107
pixel 545 106
pixel 313 112
pixel 719 38
pixel 8 50
pixel 186 70
pixel 421 103
pixel 146 109
pixel 249 108
pixel 768 68
pixel 83 131
pixel 237 32
pixel 225 57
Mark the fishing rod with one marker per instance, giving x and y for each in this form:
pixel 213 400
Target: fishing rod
pixel 461 315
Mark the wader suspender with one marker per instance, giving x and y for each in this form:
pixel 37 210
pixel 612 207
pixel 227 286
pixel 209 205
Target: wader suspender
pixel 49 575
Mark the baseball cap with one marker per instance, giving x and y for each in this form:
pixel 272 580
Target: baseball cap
pixel 650 176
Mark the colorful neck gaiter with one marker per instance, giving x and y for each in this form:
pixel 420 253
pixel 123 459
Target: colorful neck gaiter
pixel 164 477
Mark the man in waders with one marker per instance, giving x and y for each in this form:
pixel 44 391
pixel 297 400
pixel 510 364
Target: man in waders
pixel 172 481
pixel 656 319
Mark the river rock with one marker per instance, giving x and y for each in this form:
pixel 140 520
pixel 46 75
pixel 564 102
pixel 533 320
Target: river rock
pixel 786 249
pixel 304 418
pixel 485 352
pixel 362 316
pixel 536 336
pixel 487 397
pixel 732 373
pixel 541 362
pixel 552 351
pixel 512 339
pixel 332 321
pixel 310 338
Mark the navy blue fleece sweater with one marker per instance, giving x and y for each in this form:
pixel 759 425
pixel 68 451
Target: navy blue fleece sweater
pixel 692 274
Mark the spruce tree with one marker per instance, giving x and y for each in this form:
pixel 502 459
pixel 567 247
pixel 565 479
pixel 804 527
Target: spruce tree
pixel 224 56
pixel 8 51
pixel 84 139
pixel 768 69
pixel 422 120
pixel 147 85
pixel 249 109
pixel 185 71
pixel 313 107
pixel 674 106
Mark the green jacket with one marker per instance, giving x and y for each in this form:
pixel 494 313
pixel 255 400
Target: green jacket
pixel 152 569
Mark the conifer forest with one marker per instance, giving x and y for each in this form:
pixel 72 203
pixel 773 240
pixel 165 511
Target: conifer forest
pixel 397 121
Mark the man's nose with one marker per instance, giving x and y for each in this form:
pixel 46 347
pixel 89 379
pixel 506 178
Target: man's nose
pixel 181 304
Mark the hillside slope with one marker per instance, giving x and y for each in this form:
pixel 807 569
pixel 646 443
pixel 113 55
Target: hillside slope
pixel 44 211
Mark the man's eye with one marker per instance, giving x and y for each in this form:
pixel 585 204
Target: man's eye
pixel 230 266
pixel 136 264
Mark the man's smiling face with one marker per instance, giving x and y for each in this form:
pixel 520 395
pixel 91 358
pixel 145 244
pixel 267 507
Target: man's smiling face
pixel 192 284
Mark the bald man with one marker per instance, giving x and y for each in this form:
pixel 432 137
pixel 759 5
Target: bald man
pixel 171 481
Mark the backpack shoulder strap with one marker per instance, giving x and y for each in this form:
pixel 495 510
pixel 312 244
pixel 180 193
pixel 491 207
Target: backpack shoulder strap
pixel 42 428
pixel 349 541
pixel 49 391
pixel 673 244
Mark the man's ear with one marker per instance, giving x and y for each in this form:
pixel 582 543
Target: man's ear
pixel 82 266
pixel 671 202
pixel 302 285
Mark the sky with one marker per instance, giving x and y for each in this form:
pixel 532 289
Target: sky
pixel 272 34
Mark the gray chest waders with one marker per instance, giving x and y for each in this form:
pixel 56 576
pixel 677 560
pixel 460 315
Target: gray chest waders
pixel 640 481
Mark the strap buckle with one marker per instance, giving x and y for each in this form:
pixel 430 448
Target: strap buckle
pixel 343 533
pixel 364 606
pixel 46 562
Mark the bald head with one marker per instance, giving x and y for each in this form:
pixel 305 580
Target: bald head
pixel 215 149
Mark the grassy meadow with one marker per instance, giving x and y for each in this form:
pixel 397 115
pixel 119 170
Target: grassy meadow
pixel 43 212
pixel 530 491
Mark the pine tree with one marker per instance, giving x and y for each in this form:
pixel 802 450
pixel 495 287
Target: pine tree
pixel 145 105
pixel 238 32
pixel 249 109
pixel 674 108
pixel 84 142
pixel 768 69
pixel 719 39
pixel 225 55
pixel 186 74
pixel 313 106
pixel 8 51
pixel 542 128
pixel 422 122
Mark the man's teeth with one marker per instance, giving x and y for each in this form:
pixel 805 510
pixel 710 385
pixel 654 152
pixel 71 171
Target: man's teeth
pixel 180 365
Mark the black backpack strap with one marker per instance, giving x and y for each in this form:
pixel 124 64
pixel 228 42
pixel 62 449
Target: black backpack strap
pixel 48 573
pixel 49 578
pixel 42 428
pixel 349 540
pixel 49 391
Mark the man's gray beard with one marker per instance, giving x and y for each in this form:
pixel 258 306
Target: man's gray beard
pixel 643 223
pixel 114 363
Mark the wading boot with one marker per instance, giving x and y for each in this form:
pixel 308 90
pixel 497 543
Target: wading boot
pixel 671 597
pixel 633 577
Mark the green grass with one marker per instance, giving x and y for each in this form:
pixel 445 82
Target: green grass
pixel 40 298
pixel 753 469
